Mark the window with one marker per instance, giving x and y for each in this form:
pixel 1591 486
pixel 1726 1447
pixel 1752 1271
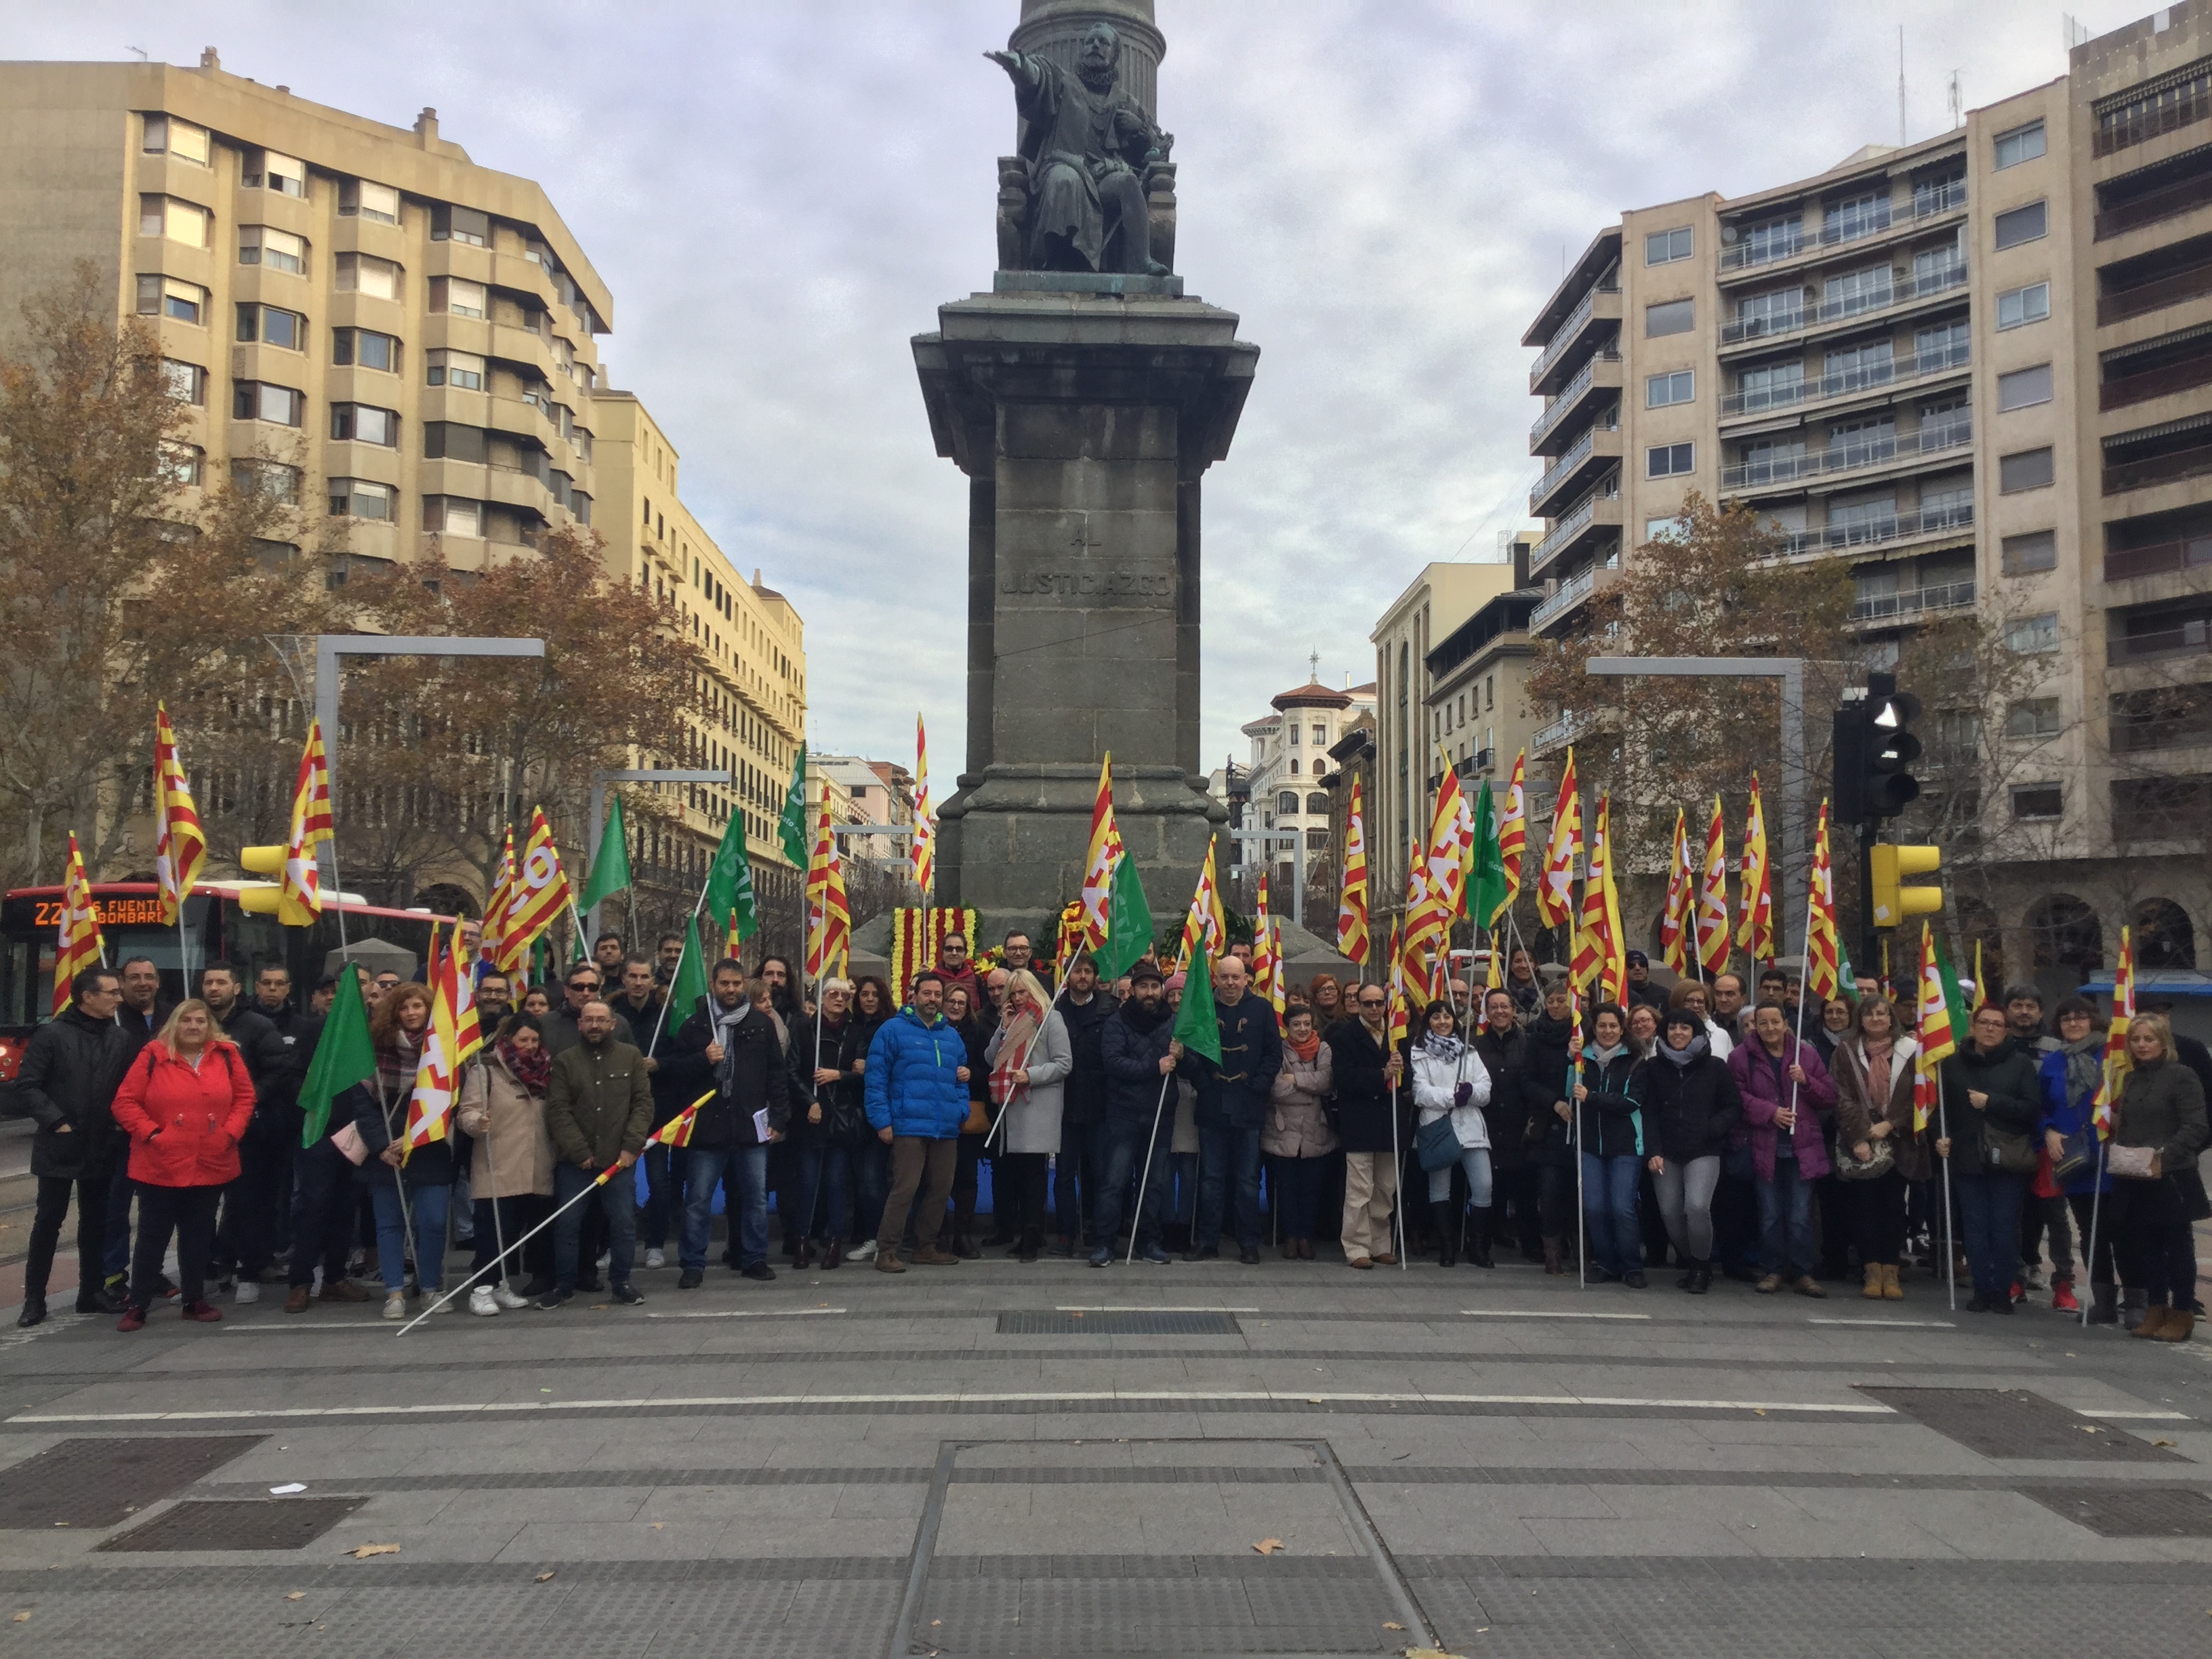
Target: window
pixel 268 479
pixel 279 250
pixel 2020 144
pixel 358 498
pixel 181 464
pixel 2038 802
pixel 1770 313
pixel 2033 718
pixel 364 348
pixel 2028 470
pixel 1771 386
pixel 2032 636
pixel 1938 194
pixel 1286 803
pixel 2017 306
pixel 165 296
pixel 1770 459
pixel 2024 387
pixel 272 325
pixel 461 299
pixel 1854 216
pixel 1941 345
pixel 181 140
pixel 179 221
pixel 459 224
pixel 1667 461
pixel 359 197
pixel 449 515
pixel 1663 530
pixel 1870 363
pixel 1776 239
pixel 365 423
pixel 267 170
pixel 1675 317
pixel 1663 248
pixel 1321 734
pixel 2023 555
pixel 1294 766
pixel 1294 729
pixel 361 273
pixel 2022 224
pixel 187 382
pixel 256 400
pixel 1851 292
pixel 448 440
pixel 1678 387
pixel 459 369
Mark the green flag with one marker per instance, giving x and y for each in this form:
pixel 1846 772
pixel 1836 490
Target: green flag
pixel 691 981
pixel 612 873
pixel 1196 1027
pixel 790 828
pixel 576 950
pixel 1129 922
pixel 343 1056
pixel 1953 1003
pixel 1846 975
pixel 730 884
pixel 1485 891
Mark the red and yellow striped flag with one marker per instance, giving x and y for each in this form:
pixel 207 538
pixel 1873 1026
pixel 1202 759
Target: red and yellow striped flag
pixel 78 944
pixel 924 832
pixel 1754 929
pixel 1823 948
pixel 179 843
pixel 1206 927
pixel 491 939
pixel 1599 963
pixel 1098 864
pixel 1513 828
pixel 2117 1061
pixel 540 892
pixel 1932 1029
pixel 1351 941
pixel 430 1107
pixel 829 921
pixel 1713 920
pixel 1555 897
pixel 299 892
pixel 1678 920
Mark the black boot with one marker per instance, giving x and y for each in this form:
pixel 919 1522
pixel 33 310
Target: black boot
pixel 1447 1249
pixel 1478 1238
pixel 34 1312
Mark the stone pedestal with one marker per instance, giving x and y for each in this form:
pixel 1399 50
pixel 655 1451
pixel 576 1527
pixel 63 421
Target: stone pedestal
pixel 1084 411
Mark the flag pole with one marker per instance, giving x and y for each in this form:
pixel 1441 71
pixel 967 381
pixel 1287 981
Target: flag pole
pixel 491 1170
pixel 2089 1248
pixel 1397 1173
pixel 1950 1226
pixel 519 1244
pixel 1137 1217
pixel 1804 990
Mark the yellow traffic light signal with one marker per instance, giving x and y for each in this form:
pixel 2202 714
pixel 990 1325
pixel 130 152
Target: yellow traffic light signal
pixel 1892 904
pixel 261 861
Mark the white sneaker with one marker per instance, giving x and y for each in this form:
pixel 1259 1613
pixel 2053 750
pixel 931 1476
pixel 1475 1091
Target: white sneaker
pixel 656 1258
pixel 395 1305
pixel 507 1299
pixel 441 1307
pixel 863 1251
pixel 606 1258
pixel 481 1301
pixel 248 1291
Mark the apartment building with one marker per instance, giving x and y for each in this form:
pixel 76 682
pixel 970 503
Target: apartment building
pixel 1977 367
pixel 1285 786
pixel 870 791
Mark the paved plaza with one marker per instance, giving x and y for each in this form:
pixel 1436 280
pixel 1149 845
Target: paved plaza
pixel 995 1458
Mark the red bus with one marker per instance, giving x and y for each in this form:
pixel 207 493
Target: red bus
pixel 216 930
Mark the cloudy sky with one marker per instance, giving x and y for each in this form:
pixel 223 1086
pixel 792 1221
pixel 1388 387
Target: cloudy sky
pixel 780 195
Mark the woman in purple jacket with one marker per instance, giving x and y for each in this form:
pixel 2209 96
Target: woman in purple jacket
pixel 1786 1092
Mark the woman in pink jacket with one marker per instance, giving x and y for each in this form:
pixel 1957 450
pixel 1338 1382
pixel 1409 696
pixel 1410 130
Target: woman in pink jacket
pixel 1787 1096
pixel 184 1102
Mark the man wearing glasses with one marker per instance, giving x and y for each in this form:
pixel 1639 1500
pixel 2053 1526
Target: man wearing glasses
pixel 581 985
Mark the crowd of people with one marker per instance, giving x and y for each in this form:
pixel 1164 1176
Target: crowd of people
pixel 1728 1131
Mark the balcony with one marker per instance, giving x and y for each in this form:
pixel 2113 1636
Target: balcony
pixel 1601 306
pixel 1600 373
pixel 2183 195
pixel 1849 458
pixel 2159 559
pixel 2183 636
pixel 1880 532
pixel 1944 199
pixel 1561 731
pixel 1912 291
pixel 1914 602
pixel 1898 372
pixel 2119 390
pixel 1599 446
pixel 1599 510
pixel 1572 595
pixel 2159 456
pixel 2137 126
pixel 2120 304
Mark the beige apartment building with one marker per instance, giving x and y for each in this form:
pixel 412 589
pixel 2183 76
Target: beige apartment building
pixel 1978 368
pixel 366 320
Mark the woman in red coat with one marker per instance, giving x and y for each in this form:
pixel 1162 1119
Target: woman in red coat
pixel 184 1102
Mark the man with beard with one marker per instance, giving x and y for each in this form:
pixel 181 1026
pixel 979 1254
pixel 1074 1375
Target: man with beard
pixel 1138 1055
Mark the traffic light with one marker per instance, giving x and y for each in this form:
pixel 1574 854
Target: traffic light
pixel 1873 748
pixel 1891 866
pixel 261 861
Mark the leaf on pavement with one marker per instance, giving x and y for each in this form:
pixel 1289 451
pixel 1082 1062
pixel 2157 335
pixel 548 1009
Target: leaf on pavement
pixel 367 1550
pixel 1268 1546
pixel 544 1578
pixel 297 1596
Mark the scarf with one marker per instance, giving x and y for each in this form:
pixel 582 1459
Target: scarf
pixel 533 1071
pixel 396 1064
pixel 2085 1067
pixel 723 1022
pixel 1878 1064
pixel 1681 1058
pixel 1446 1049
pixel 1018 1034
pixel 1306 1050
pixel 1603 1055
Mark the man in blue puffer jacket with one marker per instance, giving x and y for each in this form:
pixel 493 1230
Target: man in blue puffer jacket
pixel 917 1083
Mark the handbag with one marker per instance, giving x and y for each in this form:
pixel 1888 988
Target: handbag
pixel 1436 1143
pixel 2007 1152
pixel 978 1122
pixel 2131 1163
pixel 1848 1168
pixel 2077 1155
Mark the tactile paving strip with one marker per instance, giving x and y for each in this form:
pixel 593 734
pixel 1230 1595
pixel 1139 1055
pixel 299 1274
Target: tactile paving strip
pixel 2015 1423
pixel 1119 1324
pixel 274 1523
pixel 94 1482
pixel 2135 1512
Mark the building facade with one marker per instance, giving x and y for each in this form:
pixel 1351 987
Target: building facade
pixel 1285 784
pixel 1978 368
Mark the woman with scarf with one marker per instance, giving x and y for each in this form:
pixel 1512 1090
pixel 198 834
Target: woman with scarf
pixel 1296 1137
pixel 2158 1129
pixel 1451 1081
pixel 1325 998
pixel 2072 1073
pixel 1028 1057
pixel 823 1164
pixel 1874 1072
pixel 396 1030
pixel 503 1109
pixel 1610 1133
pixel 1521 984
pixel 1785 1088
pixel 870 1173
pixel 1691 1104
pixel 1546 1074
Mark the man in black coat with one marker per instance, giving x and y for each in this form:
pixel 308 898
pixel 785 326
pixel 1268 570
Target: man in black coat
pixel 249 1203
pixel 1366 1071
pixel 65 1085
pixel 1082 1140
pixel 1232 1105
pixel 1544 1082
pixel 730 1048
pixel 1138 1054
pixel 1499 1044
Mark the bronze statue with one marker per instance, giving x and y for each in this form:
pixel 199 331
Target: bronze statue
pixel 1085 146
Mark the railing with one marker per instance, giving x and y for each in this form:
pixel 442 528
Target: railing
pixel 1855 305
pixel 2189 636
pixel 2125 389
pixel 1484 759
pixel 1564 335
pixel 2158 468
pixel 1849 457
pixel 2157 204
pixel 1559 405
pixel 1948 198
pixel 2119 307
pixel 1577 519
pixel 1564 730
pixel 1873 533
pixel 1570 594
pixel 1897 371
pixel 1582 451
pixel 1914 602
pixel 2159 559
pixel 2151 123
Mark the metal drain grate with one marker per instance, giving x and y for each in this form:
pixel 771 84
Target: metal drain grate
pixel 1119 1324
pixel 2136 1512
pixel 285 1524
pixel 102 1482
pixel 2013 1423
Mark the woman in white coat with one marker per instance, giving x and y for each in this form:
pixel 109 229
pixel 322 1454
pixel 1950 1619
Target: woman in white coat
pixel 1029 1057
pixel 1450 1081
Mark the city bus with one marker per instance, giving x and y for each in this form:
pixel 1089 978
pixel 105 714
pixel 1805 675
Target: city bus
pixel 215 929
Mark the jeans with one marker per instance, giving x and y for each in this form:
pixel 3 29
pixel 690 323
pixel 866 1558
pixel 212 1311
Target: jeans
pixel 427 1206
pixel 617 1200
pixel 46 1232
pixel 869 1162
pixel 1082 1148
pixel 324 1197
pixel 653 1227
pixel 1686 1199
pixel 190 1212
pixel 247 1235
pixel 704 1168
pixel 1988 1227
pixel 819 1171
pixel 1609 1210
pixel 115 1257
pixel 1124 1146
pixel 1222 1152
pixel 1785 1222
pixel 1475 1160
pixel 1300 1184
